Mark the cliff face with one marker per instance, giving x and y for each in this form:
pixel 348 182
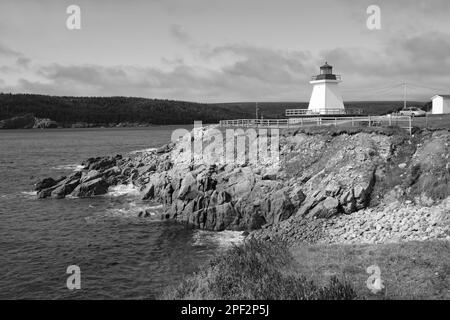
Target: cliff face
pixel 317 177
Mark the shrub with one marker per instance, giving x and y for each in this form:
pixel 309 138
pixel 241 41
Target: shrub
pixel 257 270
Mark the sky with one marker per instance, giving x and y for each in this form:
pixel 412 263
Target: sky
pixel 224 50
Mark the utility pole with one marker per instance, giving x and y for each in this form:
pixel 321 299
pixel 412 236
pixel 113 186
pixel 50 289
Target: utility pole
pixel 405 95
pixel 256 110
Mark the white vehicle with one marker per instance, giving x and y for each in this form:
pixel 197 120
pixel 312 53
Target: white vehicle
pixel 413 112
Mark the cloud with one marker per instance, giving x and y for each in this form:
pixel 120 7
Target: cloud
pixel 179 34
pixel 7 52
pixel 23 62
pixel 242 72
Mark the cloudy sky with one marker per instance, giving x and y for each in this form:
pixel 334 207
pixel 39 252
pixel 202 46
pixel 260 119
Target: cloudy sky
pixel 224 50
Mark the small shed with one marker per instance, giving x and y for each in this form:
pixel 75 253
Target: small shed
pixel 441 104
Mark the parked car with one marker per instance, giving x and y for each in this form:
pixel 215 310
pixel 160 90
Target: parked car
pixel 413 112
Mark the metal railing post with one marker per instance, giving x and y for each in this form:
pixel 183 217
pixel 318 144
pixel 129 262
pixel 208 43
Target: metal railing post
pixel 410 126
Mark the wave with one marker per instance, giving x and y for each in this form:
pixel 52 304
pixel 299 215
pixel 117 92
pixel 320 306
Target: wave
pixel 129 210
pixel 73 167
pixel 148 150
pixel 223 239
pixel 29 194
pixel 123 189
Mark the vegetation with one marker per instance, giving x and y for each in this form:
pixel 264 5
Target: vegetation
pixel 339 130
pixel 114 110
pixel 107 110
pixel 257 270
pixel 412 270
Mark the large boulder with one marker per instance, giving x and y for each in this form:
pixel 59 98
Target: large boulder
pixel 281 207
pixel 221 217
pixel 91 188
pixel 101 163
pixel 63 187
pixel 188 189
pixel 326 209
pixel 45 184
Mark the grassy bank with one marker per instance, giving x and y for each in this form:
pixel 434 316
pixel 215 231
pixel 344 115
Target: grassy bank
pixel 414 270
pixel 271 270
pixel 257 270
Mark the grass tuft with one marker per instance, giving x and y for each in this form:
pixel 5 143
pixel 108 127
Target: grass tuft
pixel 257 270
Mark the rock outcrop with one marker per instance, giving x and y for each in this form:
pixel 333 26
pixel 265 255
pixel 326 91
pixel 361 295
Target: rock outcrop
pixel 315 178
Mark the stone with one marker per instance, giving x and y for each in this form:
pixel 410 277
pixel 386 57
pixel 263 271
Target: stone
pixel 91 188
pixel 281 207
pixel 45 184
pixel 402 165
pixel 65 188
pixel 188 189
pixel 149 192
pixel 90 175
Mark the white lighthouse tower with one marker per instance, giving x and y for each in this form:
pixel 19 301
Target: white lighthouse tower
pixel 325 97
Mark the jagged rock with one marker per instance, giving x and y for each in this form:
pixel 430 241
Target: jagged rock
pixel 101 163
pixel 61 188
pixel 319 176
pixel 188 189
pixel 45 184
pixel 90 175
pixel 64 189
pixel 221 217
pixel 223 197
pixel 297 196
pixel 149 192
pixel 91 188
pixel 348 202
pixel 281 207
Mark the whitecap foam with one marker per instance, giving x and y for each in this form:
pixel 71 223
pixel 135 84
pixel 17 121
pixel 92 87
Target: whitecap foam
pixel 29 194
pixel 132 210
pixel 123 189
pixel 223 239
pixel 73 167
pixel 148 150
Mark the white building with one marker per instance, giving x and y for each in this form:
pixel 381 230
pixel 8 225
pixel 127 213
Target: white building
pixel 441 104
pixel 325 97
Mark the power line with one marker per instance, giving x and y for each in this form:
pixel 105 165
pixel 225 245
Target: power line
pixel 371 89
pixel 426 87
pixel 383 92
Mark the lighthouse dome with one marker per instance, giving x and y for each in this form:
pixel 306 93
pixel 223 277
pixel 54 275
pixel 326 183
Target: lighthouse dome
pixel 326 66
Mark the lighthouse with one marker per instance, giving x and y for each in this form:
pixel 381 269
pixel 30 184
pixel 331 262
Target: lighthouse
pixel 325 97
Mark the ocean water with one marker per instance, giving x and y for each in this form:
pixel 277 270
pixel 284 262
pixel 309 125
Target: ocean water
pixel 120 256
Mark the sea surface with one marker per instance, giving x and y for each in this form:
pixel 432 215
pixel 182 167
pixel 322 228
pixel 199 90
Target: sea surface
pixel 120 256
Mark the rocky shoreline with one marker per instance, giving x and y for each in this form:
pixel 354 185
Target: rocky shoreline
pixel 329 187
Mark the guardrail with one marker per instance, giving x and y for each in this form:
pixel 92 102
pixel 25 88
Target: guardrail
pixel 404 122
pixel 324 77
pixel 307 112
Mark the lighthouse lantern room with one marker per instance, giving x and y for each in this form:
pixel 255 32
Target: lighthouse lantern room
pixel 325 97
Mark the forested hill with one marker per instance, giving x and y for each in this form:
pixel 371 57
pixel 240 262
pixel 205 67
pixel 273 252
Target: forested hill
pixel 107 111
pixel 113 110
